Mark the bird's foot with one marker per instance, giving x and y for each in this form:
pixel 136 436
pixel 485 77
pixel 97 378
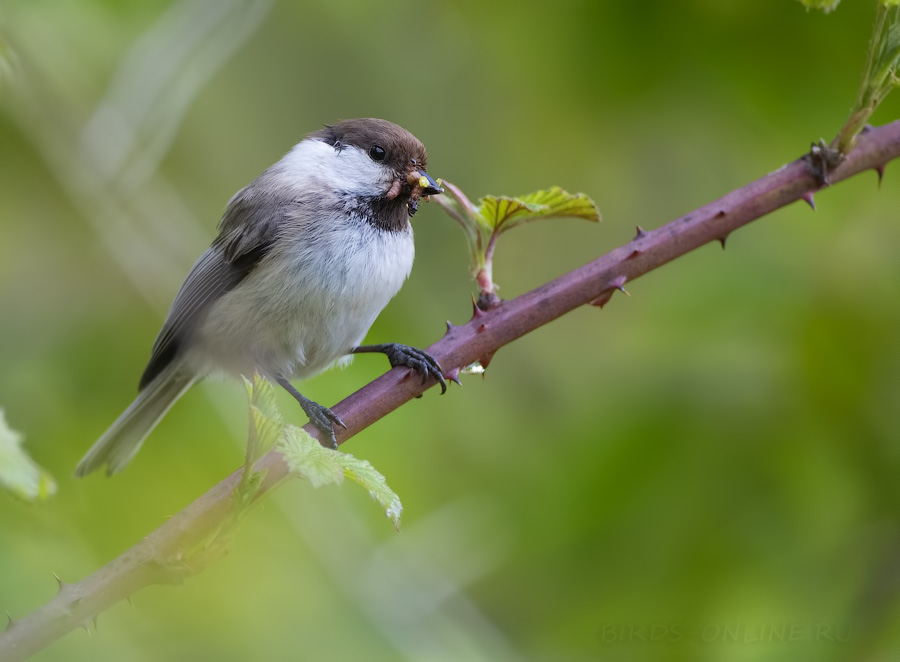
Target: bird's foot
pixel 322 417
pixel 409 357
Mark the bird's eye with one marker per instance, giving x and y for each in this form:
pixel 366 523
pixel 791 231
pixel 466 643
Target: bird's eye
pixel 377 153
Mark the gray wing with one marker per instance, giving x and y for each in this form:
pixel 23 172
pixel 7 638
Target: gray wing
pixel 246 234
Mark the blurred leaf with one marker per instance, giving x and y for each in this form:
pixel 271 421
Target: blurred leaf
pixel 9 61
pixel 19 473
pixel 262 396
pixel 502 213
pixel 265 419
pixel 266 426
pixel 365 475
pixel 879 74
pixel 308 459
pixel 825 5
pixel 265 430
pixel 890 52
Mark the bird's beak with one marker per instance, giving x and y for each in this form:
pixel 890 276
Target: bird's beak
pixel 427 184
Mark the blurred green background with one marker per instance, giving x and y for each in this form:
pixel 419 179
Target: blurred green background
pixel 715 456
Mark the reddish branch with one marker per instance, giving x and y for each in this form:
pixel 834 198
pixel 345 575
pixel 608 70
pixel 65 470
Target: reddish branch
pixel 165 556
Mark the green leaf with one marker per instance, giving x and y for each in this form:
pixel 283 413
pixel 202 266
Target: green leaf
pixel 557 202
pixel 495 211
pixel 825 5
pixel 265 430
pixel 365 475
pixel 262 396
pixel 266 427
pixel 308 459
pixel 502 213
pixel 890 53
pixel 18 472
pixel 266 424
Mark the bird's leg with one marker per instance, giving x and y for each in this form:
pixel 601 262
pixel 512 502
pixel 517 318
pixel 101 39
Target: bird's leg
pixel 322 417
pixel 408 357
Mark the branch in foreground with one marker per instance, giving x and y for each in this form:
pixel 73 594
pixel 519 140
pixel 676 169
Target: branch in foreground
pixel 165 556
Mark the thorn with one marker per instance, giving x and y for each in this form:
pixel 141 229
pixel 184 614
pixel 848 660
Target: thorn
pixel 720 214
pixel 130 603
pixel 10 620
pixel 86 629
pixel 640 232
pixel 808 198
pixel 633 254
pixel 94 621
pixel 453 376
pixel 722 240
pixel 619 284
pixel 602 300
pixel 476 311
pixel 880 170
pixel 481 327
pixel 450 326
pixel 61 583
pixel 485 361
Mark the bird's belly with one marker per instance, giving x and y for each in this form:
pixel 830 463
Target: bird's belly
pixel 297 316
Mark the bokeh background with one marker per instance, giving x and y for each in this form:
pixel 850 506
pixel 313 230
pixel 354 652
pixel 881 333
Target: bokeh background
pixel 682 475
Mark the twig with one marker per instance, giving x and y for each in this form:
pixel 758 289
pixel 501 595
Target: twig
pixel 159 558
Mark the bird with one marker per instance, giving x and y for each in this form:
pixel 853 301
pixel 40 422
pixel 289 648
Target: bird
pixel 306 257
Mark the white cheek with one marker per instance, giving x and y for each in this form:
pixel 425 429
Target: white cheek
pixel 312 163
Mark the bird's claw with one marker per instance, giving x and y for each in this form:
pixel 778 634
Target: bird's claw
pixel 418 360
pixel 324 419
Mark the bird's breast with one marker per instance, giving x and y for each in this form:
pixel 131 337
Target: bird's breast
pixel 310 301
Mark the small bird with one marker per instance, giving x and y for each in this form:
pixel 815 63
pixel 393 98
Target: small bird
pixel 305 259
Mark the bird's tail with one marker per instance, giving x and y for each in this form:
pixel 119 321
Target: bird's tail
pixel 123 439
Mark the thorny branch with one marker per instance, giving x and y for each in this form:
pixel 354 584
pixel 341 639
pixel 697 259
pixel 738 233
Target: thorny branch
pixel 165 556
